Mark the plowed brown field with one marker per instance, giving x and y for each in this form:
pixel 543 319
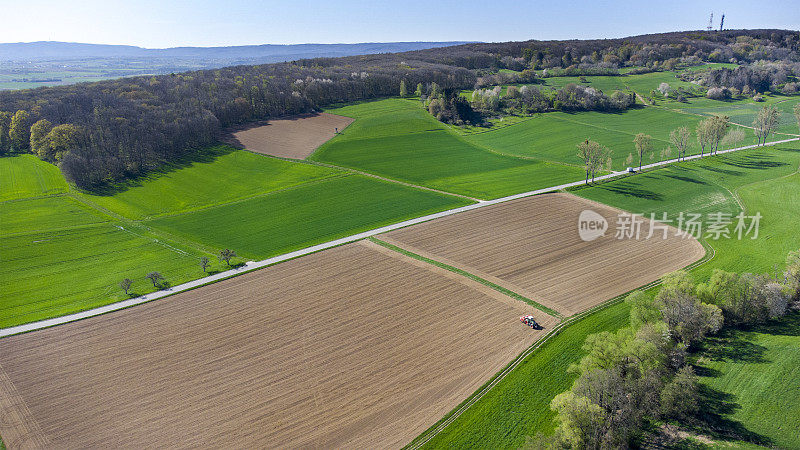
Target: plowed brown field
pixel 295 137
pixel 532 246
pixel 357 346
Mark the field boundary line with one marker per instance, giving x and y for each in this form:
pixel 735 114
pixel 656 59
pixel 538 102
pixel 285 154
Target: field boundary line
pixel 473 277
pixel 250 265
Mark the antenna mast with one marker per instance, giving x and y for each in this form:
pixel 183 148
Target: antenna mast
pixel 710 22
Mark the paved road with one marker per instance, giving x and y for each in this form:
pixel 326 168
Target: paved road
pixel 270 261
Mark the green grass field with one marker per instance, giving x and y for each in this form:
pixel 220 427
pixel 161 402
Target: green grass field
pixel 51 273
pixel 554 136
pixel 219 175
pixel 764 180
pixel 48 213
pixel 398 139
pixel 24 176
pixel 306 215
pixel 752 380
pixel 63 251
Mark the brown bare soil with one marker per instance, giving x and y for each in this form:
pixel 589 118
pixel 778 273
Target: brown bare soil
pixel 357 346
pixel 295 137
pixel 532 246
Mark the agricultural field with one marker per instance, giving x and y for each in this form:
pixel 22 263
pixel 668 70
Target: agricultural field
pixel 26 176
pixel 531 246
pixel 554 136
pixel 218 175
pixel 52 273
pixel 295 137
pixel 305 215
pixel 398 139
pixel 518 407
pixel 65 251
pixel 744 111
pixel 337 349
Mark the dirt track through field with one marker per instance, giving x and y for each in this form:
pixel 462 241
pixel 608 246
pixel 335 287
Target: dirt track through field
pixel 531 246
pixel 356 346
pixel 294 138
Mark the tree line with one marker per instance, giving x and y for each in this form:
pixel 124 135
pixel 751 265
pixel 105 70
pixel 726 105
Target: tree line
pixel 109 131
pixel 642 374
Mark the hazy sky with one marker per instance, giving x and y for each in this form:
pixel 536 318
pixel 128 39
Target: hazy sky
pixel 168 23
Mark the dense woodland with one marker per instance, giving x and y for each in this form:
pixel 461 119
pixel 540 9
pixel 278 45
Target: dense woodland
pixel 105 132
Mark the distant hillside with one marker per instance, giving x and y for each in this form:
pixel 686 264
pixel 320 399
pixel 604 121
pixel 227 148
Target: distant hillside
pixel 64 51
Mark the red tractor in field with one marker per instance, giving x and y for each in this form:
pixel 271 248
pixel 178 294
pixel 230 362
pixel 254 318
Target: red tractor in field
pixel 531 322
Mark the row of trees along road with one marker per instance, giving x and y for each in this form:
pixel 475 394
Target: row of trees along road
pixel 157 278
pixel 711 133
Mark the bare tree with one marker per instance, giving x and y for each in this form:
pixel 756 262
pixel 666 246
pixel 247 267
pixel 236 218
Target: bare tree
pixel 595 158
pixel 797 114
pixel 585 151
pixel 765 123
pixel 204 262
pixel 644 144
pixel 155 277
pixel 601 159
pixel 126 284
pixel 718 128
pixel 226 255
pixel 680 140
pixel 733 138
pixel 704 135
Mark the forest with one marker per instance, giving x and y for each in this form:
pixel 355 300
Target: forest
pixel 105 132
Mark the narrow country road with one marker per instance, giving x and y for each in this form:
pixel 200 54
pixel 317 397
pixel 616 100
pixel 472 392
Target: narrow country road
pixel 251 265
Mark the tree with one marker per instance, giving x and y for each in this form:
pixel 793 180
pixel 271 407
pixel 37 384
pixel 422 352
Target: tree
pixel 680 398
pixel 20 131
pixel 765 123
pixel 226 255
pixel 718 128
pixel 643 309
pixel 5 125
pixel 581 423
pixel 126 284
pixel 155 277
pixel 403 90
pixel 39 143
pixel 797 114
pixel 688 318
pixel 704 135
pixel 643 143
pixel 204 262
pixel 585 151
pixel 419 91
pixel 436 91
pixel 61 140
pixel 664 89
pixel 595 157
pixel 733 138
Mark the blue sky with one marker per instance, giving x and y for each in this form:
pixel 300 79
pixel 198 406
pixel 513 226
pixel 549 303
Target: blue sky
pixel 168 23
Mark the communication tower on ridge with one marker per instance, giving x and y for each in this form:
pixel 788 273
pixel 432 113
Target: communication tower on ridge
pixel 710 23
